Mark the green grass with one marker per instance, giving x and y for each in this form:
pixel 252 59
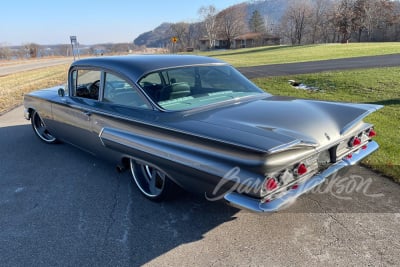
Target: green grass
pixel 289 54
pixel 377 86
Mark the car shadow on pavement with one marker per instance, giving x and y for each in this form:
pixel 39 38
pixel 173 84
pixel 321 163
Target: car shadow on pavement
pixel 62 205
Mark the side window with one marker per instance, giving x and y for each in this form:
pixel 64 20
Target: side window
pixel 151 85
pixel 119 91
pixel 86 83
pixel 151 79
pixel 181 75
pixel 219 79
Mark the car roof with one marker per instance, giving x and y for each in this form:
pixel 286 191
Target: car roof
pixel 135 66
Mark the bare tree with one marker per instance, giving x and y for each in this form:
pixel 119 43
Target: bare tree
pixel 181 31
pixel 296 20
pixel 387 17
pixel 319 19
pixel 32 49
pixel 359 20
pixel 5 51
pixel 231 22
pixel 65 50
pixel 195 33
pixel 344 18
pixel 329 32
pixel 120 48
pixel 270 24
pixel 209 18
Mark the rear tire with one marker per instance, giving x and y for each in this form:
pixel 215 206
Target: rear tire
pixel 152 182
pixel 40 129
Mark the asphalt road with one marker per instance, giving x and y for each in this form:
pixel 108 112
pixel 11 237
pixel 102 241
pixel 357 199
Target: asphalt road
pixel 323 65
pixel 7 69
pixel 62 207
pixel 250 72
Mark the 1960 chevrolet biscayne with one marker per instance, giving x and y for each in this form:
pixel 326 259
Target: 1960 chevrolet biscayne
pixel 197 123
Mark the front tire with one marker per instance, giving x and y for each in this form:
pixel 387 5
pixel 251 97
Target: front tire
pixel 152 182
pixel 40 129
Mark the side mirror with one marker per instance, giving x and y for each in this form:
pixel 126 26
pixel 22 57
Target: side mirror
pixel 61 92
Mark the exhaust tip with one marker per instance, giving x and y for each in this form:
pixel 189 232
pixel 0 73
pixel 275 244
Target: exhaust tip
pixel 120 168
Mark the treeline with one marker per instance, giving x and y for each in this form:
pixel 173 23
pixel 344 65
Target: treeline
pixel 300 22
pixel 33 50
pixel 295 22
pixel 327 21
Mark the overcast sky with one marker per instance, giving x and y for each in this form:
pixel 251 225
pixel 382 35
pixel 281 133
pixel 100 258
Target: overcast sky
pixel 52 22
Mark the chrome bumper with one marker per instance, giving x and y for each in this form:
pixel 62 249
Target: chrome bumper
pixel 245 202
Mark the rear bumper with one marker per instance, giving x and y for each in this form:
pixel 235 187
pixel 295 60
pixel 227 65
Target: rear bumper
pixel 253 204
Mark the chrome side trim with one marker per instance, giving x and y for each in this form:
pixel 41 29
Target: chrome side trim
pixel 252 204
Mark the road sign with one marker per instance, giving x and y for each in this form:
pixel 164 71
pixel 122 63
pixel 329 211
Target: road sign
pixel 174 39
pixel 75 46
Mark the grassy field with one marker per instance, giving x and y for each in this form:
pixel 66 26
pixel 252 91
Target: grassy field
pixel 14 86
pixel 375 86
pixel 288 54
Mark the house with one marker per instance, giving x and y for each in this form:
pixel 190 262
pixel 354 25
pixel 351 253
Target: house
pixel 247 40
pixel 254 39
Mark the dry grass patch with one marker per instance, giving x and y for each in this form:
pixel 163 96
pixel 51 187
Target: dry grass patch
pixel 14 86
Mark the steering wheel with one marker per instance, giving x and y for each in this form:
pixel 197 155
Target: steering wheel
pixel 94 89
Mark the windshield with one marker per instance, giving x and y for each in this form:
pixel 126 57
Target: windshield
pixel 196 86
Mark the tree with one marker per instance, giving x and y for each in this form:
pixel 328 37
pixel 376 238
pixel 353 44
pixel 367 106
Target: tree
pixel 295 21
pixel 256 23
pixel 181 31
pixel 231 22
pixel 32 49
pixel 319 19
pixel 209 21
pixel 360 17
pixel 386 18
pixel 5 52
pixel 344 18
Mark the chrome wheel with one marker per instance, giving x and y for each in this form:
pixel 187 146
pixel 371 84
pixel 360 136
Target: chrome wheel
pixel 152 182
pixel 40 129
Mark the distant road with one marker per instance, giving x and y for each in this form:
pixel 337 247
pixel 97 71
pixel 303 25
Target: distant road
pixel 7 69
pixel 319 66
pixel 250 72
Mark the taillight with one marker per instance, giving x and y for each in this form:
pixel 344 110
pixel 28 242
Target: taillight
pixel 371 133
pixel 301 169
pixel 271 184
pixel 364 147
pixel 355 141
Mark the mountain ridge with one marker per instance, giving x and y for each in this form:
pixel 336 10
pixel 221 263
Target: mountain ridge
pixel 271 10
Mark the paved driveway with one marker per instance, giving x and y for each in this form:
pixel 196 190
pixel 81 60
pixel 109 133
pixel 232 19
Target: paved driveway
pixel 322 65
pixel 61 207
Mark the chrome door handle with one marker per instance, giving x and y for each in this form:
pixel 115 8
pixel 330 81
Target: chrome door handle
pixel 87 113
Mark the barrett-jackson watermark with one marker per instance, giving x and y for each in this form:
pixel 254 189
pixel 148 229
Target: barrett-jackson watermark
pixel 340 187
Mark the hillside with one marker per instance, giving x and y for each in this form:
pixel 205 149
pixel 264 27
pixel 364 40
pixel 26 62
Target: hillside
pixel 272 10
pixel 155 38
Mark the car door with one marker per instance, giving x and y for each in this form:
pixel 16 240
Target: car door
pixel 123 107
pixel 73 113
